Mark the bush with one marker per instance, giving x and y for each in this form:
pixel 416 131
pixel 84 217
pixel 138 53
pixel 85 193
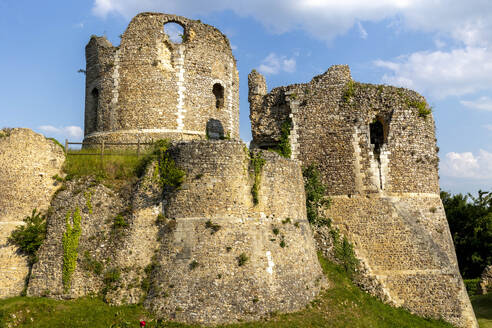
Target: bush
pixel 471 286
pixel 315 196
pixel 30 236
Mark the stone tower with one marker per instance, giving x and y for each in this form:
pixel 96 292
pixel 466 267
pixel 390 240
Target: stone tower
pixel 375 147
pixel 150 87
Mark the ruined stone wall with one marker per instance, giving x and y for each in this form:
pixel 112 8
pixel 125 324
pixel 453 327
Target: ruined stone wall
pixel 182 267
pixel 376 150
pixel 404 243
pixel 331 118
pixel 28 162
pixel 155 88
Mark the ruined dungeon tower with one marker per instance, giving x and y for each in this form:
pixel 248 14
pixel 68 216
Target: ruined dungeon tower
pixel 151 87
pixel 375 147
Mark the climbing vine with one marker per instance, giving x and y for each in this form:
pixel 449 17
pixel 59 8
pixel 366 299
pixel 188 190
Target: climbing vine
pixel 315 196
pixel 284 149
pixel 258 161
pixel 70 243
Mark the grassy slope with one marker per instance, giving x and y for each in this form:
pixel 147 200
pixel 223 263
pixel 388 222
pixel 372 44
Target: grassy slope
pixel 483 310
pixel 341 306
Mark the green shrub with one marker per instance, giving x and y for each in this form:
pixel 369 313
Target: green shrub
pixel 242 259
pixel 258 161
pixel 343 252
pixel 30 236
pixel 471 286
pixel 70 243
pixel 170 175
pixel 119 222
pixel 315 196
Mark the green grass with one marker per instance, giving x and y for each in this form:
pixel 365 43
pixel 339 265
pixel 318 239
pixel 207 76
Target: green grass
pixel 344 305
pixel 116 168
pixel 482 305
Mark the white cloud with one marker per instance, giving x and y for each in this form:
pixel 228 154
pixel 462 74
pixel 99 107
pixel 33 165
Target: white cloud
pixel 274 64
pixel 67 131
pixel 441 74
pixel 468 165
pixel 468 21
pixel 482 103
pixel 362 31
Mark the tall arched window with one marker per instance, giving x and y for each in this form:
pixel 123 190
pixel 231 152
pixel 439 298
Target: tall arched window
pixel 218 91
pixel 175 32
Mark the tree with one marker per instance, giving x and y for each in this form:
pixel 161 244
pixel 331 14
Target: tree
pixel 470 221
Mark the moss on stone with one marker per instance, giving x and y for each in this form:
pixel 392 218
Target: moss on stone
pixel 70 243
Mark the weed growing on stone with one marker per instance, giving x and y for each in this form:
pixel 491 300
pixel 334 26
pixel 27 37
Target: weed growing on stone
pixel 56 143
pixel 111 278
pixel 287 220
pixel 315 196
pixel 284 149
pixel 30 236
pixel 5 132
pixel 349 91
pixel 282 243
pixel 167 173
pixel 214 227
pixel 92 265
pixel 70 243
pixel 343 252
pixel 275 231
pixel 194 264
pixel 421 106
pixel 119 222
pixel 258 161
pixel 242 259
pixel 88 200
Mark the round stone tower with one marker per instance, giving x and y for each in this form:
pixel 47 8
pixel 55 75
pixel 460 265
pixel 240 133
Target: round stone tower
pixel 153 86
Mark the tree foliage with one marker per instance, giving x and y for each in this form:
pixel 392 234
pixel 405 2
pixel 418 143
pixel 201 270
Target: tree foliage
pixel 30 236
pixel 470 221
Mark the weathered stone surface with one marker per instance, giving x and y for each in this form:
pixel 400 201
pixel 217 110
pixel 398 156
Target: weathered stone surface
pixel 152 88
pixel 28 161
pixel 485 283
pixel 376 150
pixel 182 267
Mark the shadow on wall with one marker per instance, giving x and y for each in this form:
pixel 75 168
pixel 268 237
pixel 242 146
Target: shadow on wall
pixel 214 129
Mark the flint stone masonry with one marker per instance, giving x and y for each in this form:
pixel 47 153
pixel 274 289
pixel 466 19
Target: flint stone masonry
pixel 151 88
pixel 28 162
pixel 485 283
pixel 191 271
pixel 376 150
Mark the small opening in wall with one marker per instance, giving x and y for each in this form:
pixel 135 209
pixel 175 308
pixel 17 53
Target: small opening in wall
pixel 175 32
pixel 95 108
pixel 218 91
pixel 376 130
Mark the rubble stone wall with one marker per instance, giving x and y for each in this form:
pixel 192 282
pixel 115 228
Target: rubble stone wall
pixel 375 147
pixel 151 87
pixel 213 256
pixel 28 163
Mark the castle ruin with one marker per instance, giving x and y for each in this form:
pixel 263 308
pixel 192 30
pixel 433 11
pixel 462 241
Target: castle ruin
pixel 212 251
pixel 376 149
pixel 150 87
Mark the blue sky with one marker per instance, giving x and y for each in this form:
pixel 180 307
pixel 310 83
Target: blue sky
pixel 442 49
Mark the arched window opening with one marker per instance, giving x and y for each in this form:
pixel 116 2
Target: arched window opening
pixel 95 108
pixel 376 131
pixel 175 32
pixel 218 91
